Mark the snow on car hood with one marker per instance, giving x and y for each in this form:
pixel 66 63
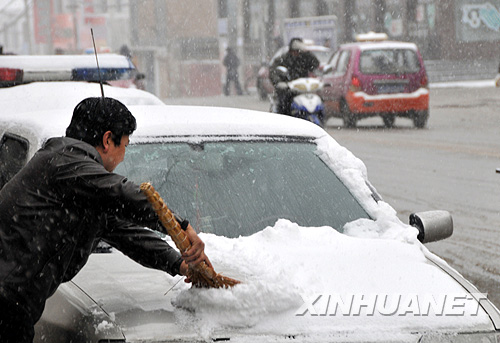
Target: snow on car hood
pixel 288 274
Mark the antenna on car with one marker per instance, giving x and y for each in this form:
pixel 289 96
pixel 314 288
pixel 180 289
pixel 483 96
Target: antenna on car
pixel 97 61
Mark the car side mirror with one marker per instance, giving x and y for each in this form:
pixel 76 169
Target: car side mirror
pixel 432 225
pixel 328 69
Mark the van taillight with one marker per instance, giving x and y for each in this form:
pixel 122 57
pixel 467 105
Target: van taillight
pixel 10 74
pixel 355 84
pixel 424 82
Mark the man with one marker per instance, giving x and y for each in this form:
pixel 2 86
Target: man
pixel 62 203
pixel 232 62
pixel 299 62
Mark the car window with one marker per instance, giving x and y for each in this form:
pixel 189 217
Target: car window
pixel 389 61
pixel 239 188
pixel 332 62
pixel 13 154
pixel 343 63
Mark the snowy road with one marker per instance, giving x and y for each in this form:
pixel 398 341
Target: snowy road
pixel 450 166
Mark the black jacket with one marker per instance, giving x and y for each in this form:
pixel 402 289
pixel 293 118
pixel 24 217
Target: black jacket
pixel 298 66
pixel 231 62
pixel 54 212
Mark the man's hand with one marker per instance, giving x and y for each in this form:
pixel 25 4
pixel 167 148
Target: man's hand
pixel 196 253
pixel 282 85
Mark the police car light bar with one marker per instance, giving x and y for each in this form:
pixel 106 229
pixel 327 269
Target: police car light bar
pixel 63 68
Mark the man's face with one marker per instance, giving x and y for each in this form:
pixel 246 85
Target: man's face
pixel 115 154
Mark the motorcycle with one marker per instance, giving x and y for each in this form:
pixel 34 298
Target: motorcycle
pixel 306 103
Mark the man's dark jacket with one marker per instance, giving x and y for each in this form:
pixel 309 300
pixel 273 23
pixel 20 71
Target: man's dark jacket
pixel 54 212
pixel 298 66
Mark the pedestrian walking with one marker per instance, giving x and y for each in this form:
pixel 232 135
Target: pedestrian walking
pixel 232 62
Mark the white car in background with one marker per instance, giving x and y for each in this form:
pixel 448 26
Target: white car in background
pixel 38 96
pixel 116 70
pixel 282 207
pixel 46 82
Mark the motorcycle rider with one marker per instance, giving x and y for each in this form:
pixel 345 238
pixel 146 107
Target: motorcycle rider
pixel 299 62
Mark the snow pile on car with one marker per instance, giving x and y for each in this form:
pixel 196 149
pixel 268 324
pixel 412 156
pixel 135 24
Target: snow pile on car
pixel 286 267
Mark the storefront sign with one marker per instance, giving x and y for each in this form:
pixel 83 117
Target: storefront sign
pixel 478 20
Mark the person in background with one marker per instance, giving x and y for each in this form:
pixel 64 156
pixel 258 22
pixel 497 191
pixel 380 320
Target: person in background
pixel 232 62
pixel 299 63
pixel 66 199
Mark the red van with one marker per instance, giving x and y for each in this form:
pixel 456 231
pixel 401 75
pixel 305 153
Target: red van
pixel 376 77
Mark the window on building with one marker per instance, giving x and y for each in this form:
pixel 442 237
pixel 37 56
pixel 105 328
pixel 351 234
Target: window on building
pixel 322 8
pixel 222 8
pixel 294 9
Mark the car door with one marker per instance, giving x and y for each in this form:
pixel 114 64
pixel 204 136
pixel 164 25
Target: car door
pixel 335 81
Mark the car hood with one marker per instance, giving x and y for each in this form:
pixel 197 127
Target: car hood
pixel 313 284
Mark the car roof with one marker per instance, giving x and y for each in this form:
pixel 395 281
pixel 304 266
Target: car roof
pixel 157 122
pixel 54 62
pixel 57 95
pixel 380 45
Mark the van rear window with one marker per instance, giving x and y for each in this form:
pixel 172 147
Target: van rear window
pixel 389 61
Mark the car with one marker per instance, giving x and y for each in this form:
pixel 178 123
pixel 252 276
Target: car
pixel 66 94
pixel 376 77
pixel 62 81
pixel 264 85
pixel 117 70
pixel 282 207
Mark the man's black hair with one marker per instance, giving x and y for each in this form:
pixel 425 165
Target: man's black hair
pixel 291 45
pixel 93 117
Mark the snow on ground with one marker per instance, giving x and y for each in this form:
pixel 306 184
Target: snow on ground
pixel 464 84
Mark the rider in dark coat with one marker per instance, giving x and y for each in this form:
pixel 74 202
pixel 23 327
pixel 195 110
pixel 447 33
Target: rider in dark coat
pixel 62 203
pixel 299 62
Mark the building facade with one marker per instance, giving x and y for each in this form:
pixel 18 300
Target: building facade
pixel 179 45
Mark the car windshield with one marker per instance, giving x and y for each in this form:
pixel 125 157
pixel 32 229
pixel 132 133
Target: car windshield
pixel 234 188
pixel 389 61
pixel 322 56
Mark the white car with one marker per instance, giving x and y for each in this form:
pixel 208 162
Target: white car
pixel 114 69
pixel 38 96
pixel 283 208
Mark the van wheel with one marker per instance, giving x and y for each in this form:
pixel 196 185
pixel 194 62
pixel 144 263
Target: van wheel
pixel 420 118
pixel 348 117
pixel 389 120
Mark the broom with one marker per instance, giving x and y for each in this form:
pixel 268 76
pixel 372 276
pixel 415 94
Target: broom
pixel 201 275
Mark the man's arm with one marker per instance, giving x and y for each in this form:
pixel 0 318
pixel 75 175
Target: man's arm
pixel 273 74
pixel 147 248
pixel 142 245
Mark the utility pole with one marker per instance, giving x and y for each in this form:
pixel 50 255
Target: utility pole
pixel 379 15
pixel 73 7
pixel 349 6
pixel 28 27
pixel 271 17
